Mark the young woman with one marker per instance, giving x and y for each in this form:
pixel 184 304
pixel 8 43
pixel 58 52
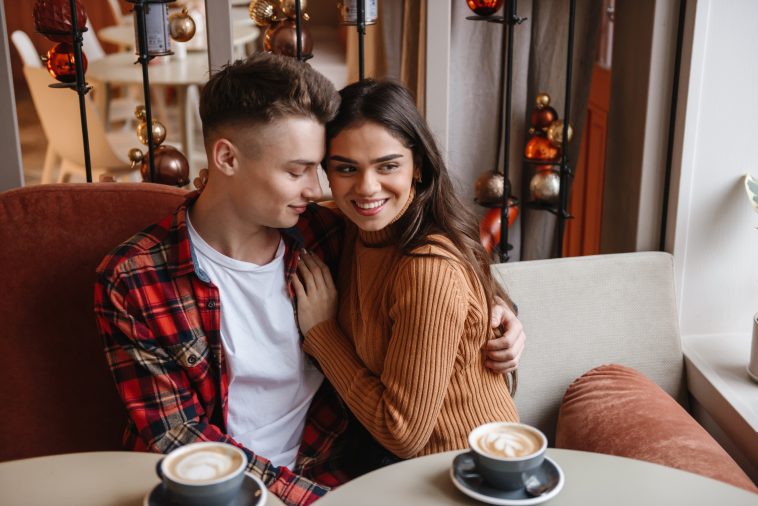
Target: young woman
pixel 402 343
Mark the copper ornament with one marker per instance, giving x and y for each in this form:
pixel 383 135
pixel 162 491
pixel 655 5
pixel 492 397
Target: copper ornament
pixel 282 39
pixel 263 12
pixel 52 18
pixel 171 167
pixel 61 62
pixel 484 7
pixel 288 7
pixel 545 186
pixel 489 188
pixel 181 26
pixel 140 113
pixel 159 133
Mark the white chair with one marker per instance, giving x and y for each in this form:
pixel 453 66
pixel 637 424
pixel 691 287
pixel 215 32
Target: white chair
pixel 58 111
pixel 118 14
pixel 26 49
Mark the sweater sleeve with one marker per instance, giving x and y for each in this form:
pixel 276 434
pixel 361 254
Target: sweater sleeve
pixel 401 406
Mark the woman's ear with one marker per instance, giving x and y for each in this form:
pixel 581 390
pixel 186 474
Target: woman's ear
pixel 225 156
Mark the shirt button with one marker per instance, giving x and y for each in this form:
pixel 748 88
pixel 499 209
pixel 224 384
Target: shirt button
pixel 211 304
pixel 192 359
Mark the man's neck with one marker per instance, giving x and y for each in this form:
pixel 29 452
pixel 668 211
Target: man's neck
pixel 225 231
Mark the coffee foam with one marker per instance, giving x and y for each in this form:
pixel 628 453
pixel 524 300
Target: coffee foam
pixel 204 465
pixel 508 442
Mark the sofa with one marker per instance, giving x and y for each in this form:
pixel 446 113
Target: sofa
pixel 578 313
pixel 603 369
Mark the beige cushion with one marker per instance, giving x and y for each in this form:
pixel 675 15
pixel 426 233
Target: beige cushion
pixel 582 312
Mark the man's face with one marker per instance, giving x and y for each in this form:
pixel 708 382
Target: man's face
pixel 276 177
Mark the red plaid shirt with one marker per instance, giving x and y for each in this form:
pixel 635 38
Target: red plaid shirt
pixel 160 322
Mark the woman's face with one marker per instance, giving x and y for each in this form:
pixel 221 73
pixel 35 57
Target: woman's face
pixel 371 175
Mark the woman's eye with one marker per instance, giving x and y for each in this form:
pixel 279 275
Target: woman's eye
pixel 344 169
pixel 387 167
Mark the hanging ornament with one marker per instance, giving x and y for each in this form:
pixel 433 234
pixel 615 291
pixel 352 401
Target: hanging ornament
pixel 159 133
pixel 282 39
pixel 140 113
pixel 484 7
pixel 171 167
pixel 489 226
pixel 61 62
pixel 52 18
pixel 288 8
pixel 545 186
pixel 554 132
pixel 488 189
pixel 542 114
pixel 135 156
pixel 539 148
pixel 263 12
pixel 181 26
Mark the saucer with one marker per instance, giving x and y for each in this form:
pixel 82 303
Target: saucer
pixel 252 492
pixel 475 487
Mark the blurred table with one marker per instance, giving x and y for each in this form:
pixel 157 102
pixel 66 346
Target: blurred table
pixel 94 478
pixel 590 479
pixel 121 69
pixel 243 33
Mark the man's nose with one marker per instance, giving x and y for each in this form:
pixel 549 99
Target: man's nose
pixel 312 190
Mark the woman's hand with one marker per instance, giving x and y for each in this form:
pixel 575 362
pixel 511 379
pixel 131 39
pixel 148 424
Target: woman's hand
pixel 503 353
pixel 315 290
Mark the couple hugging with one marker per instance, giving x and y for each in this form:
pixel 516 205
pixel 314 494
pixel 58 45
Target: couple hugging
pixel 221 322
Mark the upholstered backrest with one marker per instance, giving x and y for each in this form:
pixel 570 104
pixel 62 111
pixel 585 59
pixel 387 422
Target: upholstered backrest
pixel 582 312
pixel 57 393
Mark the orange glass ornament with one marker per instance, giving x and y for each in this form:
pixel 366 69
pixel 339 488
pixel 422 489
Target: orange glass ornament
pixel 539 148
pixel 485 7
pixel 489 227
pixel 61 62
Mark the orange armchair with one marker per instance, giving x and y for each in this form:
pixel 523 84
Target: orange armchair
pixel 55 388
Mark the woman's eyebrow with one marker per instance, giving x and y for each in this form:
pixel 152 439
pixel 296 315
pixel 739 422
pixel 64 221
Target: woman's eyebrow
pixel 385 158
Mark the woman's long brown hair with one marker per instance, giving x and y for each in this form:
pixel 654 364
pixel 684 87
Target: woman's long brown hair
pixel 436 209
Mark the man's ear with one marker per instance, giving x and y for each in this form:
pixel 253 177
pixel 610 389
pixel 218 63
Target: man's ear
pixel 225 156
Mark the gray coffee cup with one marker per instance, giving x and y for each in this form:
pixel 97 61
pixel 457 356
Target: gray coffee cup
pixel 204 473
pixel 506 453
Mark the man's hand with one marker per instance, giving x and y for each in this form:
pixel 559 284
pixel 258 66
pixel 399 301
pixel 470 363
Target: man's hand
pixel 503 353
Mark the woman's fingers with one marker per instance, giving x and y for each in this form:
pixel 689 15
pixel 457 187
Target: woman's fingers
pixel 298 286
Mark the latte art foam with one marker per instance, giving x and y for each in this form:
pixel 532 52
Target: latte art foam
pixel 204 465
pixel 509 443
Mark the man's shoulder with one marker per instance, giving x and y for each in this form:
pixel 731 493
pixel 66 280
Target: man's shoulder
pixel 145 249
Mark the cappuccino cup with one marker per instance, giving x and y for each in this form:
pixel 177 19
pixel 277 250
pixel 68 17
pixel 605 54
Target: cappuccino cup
pixel 505 452
pixel 206 473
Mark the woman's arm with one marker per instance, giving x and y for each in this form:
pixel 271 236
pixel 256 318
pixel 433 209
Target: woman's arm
pixel 401 406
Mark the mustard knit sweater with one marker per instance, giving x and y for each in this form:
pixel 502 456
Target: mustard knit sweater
pixel 406 352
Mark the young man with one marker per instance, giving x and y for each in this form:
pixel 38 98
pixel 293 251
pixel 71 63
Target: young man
pixel 196 312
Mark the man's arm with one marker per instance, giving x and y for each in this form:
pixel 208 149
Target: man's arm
pixel 161 387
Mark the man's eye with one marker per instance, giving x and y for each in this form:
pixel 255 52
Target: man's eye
pixel 295 175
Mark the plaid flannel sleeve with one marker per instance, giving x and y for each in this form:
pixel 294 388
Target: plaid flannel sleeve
pixel 162 403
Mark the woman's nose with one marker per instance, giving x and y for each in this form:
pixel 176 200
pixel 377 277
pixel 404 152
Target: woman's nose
pixel 367 184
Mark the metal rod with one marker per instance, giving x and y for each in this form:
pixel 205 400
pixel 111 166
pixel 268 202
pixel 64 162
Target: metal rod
pixel 144 58
pixel 507 52
pixel 81 88
pixel 361 23
pixel 672 125
pixel 299 30
pixel 564 170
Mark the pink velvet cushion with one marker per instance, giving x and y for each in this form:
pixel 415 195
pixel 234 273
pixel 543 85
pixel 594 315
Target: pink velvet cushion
pixel 616 410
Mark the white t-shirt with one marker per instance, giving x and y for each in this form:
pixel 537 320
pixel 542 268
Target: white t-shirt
pixel 271 381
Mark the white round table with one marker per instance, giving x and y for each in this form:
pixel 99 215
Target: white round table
pixel 590 479
pixel 83 479
pixel 181 73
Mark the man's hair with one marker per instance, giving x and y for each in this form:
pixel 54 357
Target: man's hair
pixel 262 88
